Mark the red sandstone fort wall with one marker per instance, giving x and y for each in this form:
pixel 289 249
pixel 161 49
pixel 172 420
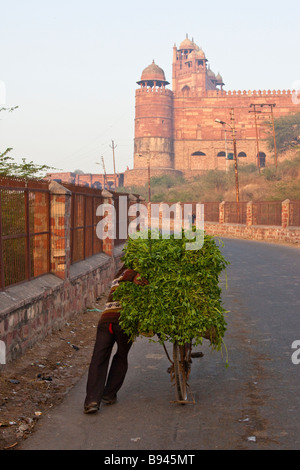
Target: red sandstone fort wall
pixel 195 129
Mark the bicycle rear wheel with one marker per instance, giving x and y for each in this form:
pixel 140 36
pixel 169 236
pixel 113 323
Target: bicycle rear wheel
pixel 182 366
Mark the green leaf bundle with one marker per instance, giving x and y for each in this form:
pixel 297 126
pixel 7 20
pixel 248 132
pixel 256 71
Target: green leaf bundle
pixel 182 301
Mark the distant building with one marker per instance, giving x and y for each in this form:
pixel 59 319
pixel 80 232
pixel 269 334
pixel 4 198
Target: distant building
pixel 100 181
pixel 176 130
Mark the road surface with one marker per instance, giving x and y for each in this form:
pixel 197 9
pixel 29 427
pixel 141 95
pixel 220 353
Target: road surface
pixel 252 404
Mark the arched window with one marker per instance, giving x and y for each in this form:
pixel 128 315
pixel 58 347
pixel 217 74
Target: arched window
pixel 221 154
pixel 198 153
pixel 198 160
pixel 186 90
pixel 242 154
pixel 97 185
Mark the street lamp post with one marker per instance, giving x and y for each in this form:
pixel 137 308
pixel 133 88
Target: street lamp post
pixel 235 154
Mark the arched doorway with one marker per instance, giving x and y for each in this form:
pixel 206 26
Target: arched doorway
pixel 261 160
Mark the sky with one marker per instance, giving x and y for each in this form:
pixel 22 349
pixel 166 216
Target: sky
pixel 71 67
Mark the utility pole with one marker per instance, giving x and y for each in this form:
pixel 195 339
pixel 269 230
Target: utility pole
pixel 256 132
pixel 271 106
pixel 113 146
pixel 232 127
pixel 235 157
pixel 149 187
pixel 273 126
pixel 104 172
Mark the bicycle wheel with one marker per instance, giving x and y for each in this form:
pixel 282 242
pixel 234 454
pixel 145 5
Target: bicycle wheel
pixel 182 366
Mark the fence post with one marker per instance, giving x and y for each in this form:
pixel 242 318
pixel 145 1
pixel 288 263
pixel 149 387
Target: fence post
pixel 108 244
pixel 249 214
pixel 60 230
pixel 41 244
pixel 285 213
pixel 222 212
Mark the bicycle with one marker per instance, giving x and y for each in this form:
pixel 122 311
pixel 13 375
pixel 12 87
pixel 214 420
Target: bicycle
pixel 180 370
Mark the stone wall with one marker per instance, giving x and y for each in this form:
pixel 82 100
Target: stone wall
pixel 290 235
pixel 195 129
pixel 32 310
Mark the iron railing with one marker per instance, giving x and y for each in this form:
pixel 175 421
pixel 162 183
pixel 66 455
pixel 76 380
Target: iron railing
pixel 211 211
pixel 235 212
pixel 84 240
pixel 267 213
pixel 24 230
pixel 29 212
pixel 294 214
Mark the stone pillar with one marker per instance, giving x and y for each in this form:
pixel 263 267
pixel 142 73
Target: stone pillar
pixel 249 214
pixel 41 255
pixel 60 229
pixel 222 212
pixel 108 243
pixel 160 217
pixel 178 217
pixel 285 213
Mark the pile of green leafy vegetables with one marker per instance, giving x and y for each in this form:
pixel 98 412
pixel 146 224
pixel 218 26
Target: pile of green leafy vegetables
pixel 182 301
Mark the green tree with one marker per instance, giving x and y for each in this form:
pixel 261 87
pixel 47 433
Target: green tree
pixel 27 170
pixel 287 132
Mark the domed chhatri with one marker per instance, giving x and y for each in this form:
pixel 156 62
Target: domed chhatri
pixel 153 75
pixel 187 44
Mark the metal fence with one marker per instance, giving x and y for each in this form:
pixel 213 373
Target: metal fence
pixel 235 212
pixel 24 230
pixel 29 212
pixel 84 203
pixel 211 211
pixel 267 213
pixel 294 214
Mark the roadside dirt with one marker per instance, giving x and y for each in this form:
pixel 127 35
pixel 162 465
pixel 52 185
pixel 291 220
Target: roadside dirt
pixel 40 379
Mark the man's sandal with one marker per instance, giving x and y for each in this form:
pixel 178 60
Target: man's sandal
pixel 91 408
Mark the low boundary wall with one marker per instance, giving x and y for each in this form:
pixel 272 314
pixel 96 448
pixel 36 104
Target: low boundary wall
pixel 283 232
pixel 289 235
pixel 32 310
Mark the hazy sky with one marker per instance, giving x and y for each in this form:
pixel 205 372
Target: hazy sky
pixel 72 66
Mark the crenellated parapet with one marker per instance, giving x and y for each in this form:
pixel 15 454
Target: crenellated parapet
pixel 219 93
pixel 260 92
pixel 154 91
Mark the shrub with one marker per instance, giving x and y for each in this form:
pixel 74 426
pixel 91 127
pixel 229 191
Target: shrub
pixel 183 299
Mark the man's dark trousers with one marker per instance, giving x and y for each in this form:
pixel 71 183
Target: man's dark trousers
pixel 97 385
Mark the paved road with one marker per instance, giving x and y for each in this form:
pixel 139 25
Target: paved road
pixel 253 404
